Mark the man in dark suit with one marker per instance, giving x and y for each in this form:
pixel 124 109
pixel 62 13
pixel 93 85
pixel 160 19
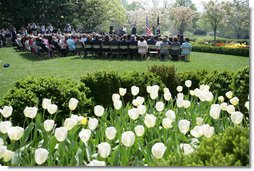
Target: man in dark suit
pixel 151 41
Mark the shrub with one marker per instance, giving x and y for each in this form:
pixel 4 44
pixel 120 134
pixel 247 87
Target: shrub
pixel 221 50
pixel 219 82
pixel 230 148
pixel 168 76
pixel 240 86
pixel 31 91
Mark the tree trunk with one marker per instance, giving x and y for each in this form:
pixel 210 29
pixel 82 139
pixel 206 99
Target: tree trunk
pixel 214 34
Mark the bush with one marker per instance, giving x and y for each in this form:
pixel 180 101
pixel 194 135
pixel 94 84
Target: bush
pixel 221 50
pixel 240 86
pixel 103 85
pixel 31 91
pixel 230 148
pixel 219 82
pixel 168 76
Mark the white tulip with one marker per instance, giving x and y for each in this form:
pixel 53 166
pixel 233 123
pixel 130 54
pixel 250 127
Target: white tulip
pixel 186 104
pixel 237 117
pixel 122 91
pixel 118 104
pixel 30 112
pixel 247 105
pixel 104 149
pixel 187 148
pixel 133 113
pixel 134 90
pixel 229 94
pixel 110 132
pixel 221 99
pixel 197 131
pixel 115 97
pixel 234 101
pixel 48 125
pixel 138 101
pixel 2 151
pixel 223 106
pixel 208 130
pixel 209 96
pixel 98 110
pixel 73 103
pixel 1 142
pixel 184 126
pixel 96 163
pixel 148 89
pixel 150 120
pixel 204 87
pixel 76 118
pixel 159 106
pixel 7 156
pixel 154 94
pixel 128 138
pixel 158 150
pixel 197 92
pixel 171 115
pixel 6 111
pixel 179 88
pixel 4 126
pixel 69 123
pixel 142 109
pixel 215 111
pixel 166 90
pixel 230 109
pixel 179 103
pixel 139 130
pixel 199 121
pixel 192 92
pixel 167 96
pixel 167 123
pixel 155 88
pixel 15 133
pixel 92 123
pixel 45 103
pixel 188 83
pixel 41 155
pixel 180 96
pixel 61 133
pixel 85 135
pixel 52 109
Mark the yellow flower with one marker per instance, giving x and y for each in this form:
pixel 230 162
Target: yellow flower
pixel 83 121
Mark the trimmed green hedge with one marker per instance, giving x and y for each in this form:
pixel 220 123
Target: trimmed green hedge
pixel 221 50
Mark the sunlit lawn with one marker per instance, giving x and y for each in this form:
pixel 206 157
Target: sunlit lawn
pixel 23 64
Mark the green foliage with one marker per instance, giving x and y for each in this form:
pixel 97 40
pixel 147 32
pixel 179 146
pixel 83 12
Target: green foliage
pixel 168 76
pixel 31 91
pixel 230 148
pixel 103 84
pixel 221 50
pixel 240 86
pixel 219 82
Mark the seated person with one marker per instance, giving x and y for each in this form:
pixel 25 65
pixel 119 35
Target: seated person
pixel 164 51
pixel 144 46
pixel 186 47
pixel 175 49
pixel 151 41
pixel 71 44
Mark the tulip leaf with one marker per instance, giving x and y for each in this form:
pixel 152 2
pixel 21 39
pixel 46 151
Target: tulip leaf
pixel 78 157
pixel 27 132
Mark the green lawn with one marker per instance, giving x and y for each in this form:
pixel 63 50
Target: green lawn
pixel 23 64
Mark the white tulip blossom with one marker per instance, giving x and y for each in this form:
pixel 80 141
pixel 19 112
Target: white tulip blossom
pixel 134 90
pixel 167 96
pixel 85 135
pixel 158 150
pixel 234 101
pixel 139 130
pixel 96 163
pixel 61 133
pixel 15 133
pixel 179 103
pixel 209 96
pixel 133 113
pixel 229 94
pixel 188 83
pixel 171 115
pixel 150 120
pixel 30 112
pixel 159 106
pixel 73 103
pixel 92 123
pixel 221 99
pixel 247 105
pixel 128 138
pixel 6 111
pixel 115 97
pixel 197 131
pixel 180 96
pixel 1 142
pixel 223 106
pixel 110 132
pixel 204 87
pixel 184 126
pixel 166 90
pixel 186 104
pixel 142 109
pixel 230 109
pixel 215 111
pixel 2 151
pixel 208 130
pixel 167 123
pixel 69 123
pixel 148 89
pixel 48 125
pixel 192 92
pixel 237 117
pixel 4 126
pixel 179 88
pixel 187 148
pixel 98 110
pixel 41 155
pixel 45 103
pixel 199 121
pixel 104 149
pixel 52 109
pixel 117 104
pixel 7 155
pixel 138 101
pixel 122 91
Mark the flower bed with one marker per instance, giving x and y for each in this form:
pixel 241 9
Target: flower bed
pixel 133 134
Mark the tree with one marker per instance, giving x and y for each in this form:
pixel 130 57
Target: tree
pixel 215 13
pixel 185 3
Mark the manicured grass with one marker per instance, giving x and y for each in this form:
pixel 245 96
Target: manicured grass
pixel 24 64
